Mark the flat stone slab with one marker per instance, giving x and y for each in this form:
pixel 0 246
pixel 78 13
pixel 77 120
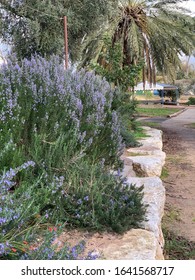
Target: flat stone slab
pixel 148 159
pixel 149 165
pixel 154 139
pixel 143 167
pixel 128 167
pixel 136 244
pixel 154 196
pixel 145 150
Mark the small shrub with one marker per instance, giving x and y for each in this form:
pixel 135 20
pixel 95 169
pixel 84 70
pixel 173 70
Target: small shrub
pixel 89 197
pixel 21 224
pixel 125 106
pixel 46 248
pixel 110 65
pixel 191 101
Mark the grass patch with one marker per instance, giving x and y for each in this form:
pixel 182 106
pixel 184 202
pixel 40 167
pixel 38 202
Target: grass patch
pixel 172 214
pixel 131 154
pixel 150 124
pixel 191 125
pixel 177 247
pixel 164 173
pixel 156 112
pixel 140 133
pixel 175 159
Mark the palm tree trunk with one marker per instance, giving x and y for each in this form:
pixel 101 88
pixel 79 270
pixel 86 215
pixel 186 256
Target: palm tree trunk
pixel 188 66
pixel 154 72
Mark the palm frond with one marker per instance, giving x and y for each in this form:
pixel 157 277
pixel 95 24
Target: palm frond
pixel 156 31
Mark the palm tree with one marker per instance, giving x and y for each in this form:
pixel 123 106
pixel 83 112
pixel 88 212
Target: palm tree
pixel 155 31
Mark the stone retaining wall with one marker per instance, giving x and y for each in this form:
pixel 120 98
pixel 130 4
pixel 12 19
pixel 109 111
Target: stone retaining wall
pixel 143 166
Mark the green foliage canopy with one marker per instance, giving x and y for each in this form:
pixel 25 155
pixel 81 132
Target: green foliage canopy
pixel 110 66
pixel 37 26
pixel 156 31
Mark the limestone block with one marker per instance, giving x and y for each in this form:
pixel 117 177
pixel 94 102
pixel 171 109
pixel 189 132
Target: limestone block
pixel 128 167
pixel 143 150
pixel 154 139
pixel 146 163
pixel 154 196
pixel 150 144
pixel 136 244
pixel 148 166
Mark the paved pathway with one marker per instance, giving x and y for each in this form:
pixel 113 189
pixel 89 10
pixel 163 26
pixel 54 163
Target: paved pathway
pixel 179 124
pixel 181 163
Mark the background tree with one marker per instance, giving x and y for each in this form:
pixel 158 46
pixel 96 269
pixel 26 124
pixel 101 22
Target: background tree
pixel 37 26
pixel 156 31
pixel 110 65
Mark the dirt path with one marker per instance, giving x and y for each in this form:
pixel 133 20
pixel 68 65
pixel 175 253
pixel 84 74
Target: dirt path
pixel 179 145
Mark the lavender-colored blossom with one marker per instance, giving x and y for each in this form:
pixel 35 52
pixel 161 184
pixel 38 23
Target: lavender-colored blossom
pixel 112 202
pixel 2 248
pixel 125 197
pixel 131 203
pixel 63 101
pixel 79 201
pixel 92 256
pixel 3 220
pixel 46 215
pixel 74 252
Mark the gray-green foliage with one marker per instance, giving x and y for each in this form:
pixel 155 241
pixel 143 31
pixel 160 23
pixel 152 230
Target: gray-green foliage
pixel 37 26
pixel 62 124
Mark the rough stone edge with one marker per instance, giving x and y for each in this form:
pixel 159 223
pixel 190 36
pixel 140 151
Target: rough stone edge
pixel 158 237
pixel 150 243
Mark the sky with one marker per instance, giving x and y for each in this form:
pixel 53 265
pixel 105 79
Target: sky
pixel 189 5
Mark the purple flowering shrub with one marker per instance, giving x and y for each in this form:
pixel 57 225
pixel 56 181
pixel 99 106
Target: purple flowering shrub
pixel 21 224
pixel 38 97
pixel 14 212
pixel 6 198
pixel 61 123
pixel 52 249
pixel 89 197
